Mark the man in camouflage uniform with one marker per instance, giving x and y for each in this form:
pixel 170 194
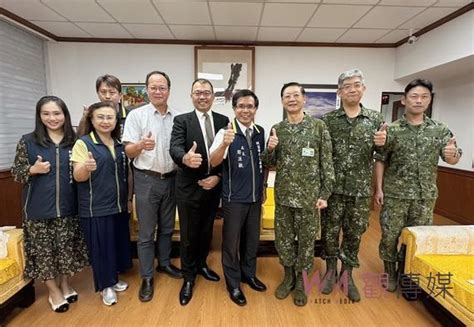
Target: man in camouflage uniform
pixel 300 149
pixel 355 135
pixel 407 170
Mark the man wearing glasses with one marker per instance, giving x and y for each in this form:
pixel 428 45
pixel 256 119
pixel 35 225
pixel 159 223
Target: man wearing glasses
pixel 240 147
pixel 356 132
pixel 197 183
pixel 147 136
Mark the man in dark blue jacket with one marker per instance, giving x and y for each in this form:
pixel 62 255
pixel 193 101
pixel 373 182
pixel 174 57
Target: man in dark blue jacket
pixel 240 146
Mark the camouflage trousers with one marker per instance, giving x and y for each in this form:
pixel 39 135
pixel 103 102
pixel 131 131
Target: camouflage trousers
pixel 352 215
pixel 397 214
pixel 295 233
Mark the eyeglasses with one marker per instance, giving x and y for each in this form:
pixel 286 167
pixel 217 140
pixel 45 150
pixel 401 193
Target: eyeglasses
pixel 348 87
pixel 243 106
pixel 203 93
pixel 104 117
pixel 162 89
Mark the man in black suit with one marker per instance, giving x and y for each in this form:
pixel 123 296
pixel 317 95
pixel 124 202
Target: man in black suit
pixel 197 183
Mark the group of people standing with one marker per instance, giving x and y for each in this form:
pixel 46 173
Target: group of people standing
pixel 78 189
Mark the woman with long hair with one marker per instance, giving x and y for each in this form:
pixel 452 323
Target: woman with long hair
pixel 54 244
pixel 100 168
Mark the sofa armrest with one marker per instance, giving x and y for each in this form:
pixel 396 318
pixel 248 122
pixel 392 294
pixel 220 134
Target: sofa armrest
pixel 444 240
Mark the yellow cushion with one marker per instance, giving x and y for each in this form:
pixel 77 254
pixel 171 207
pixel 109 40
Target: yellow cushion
pixel 8 270
pixel 268 210
pixel 461 267
pixel 268 217
pixel 270 201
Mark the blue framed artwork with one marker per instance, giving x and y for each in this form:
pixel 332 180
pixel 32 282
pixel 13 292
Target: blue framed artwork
pixel 320 99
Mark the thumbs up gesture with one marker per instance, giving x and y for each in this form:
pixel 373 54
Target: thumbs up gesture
pixel 148 142
pixel 272 141
pixel 229 135
pixel 450 150
pixel 90 163
pixel 40 166
pixel 191 158
pixel 381 135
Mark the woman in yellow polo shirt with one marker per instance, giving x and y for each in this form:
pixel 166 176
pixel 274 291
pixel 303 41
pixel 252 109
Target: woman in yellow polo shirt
pixel 100 168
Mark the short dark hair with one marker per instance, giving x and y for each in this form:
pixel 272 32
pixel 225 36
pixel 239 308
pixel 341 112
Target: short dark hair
pixel 88 127
pixel 292 84
pixel 244 93
pixel 419 82
pixel 202 81
pixel 41 134
pixel 109 80
pixel 157 72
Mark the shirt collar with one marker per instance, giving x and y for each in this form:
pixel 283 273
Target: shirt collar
pixel 242 127
pixel 426 120
pixel 96 139
pixel 363 111
pixel 200 114
pixel 169 111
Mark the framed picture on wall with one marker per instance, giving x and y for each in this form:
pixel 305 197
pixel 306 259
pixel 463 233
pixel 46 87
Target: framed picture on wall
pixel 134 95
pixel 320 99
pixel 228 68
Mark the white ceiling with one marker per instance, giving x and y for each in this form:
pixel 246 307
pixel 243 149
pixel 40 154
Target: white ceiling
pixel 340 21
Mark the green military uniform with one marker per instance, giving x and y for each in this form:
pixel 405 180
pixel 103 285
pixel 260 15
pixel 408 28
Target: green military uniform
pixel 304 174
pixel 349 205
pixel 411 163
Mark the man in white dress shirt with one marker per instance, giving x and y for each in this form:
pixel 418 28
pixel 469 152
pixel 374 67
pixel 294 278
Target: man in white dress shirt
pixel 147 137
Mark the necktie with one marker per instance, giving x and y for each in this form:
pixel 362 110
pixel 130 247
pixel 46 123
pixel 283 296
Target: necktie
pixel 248 136
pixel 208 127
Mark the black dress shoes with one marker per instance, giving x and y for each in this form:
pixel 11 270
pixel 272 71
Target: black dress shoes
pixel 237 296
pixel 255 284
pixel 209 274
pixel 146 290
pixel 186 293
pixel 171 271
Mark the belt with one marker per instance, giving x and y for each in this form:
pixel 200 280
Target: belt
pixel 156 174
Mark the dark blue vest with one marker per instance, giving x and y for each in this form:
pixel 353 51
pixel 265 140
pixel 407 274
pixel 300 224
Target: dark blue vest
pixel 105 193
pixel 242 175
pixel 51 195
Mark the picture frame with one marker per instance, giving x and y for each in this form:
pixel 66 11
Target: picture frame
pixel 133 95
pixel 320 99
pixel 229 69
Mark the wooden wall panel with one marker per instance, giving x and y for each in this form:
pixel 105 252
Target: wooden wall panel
pixel 455 201
pixel 10 200
pixel 456 195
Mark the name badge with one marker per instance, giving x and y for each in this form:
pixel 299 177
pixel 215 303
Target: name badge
pixel 307 151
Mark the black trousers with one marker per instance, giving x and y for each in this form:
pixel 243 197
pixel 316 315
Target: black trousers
pixel 240 236
pixel 196 221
